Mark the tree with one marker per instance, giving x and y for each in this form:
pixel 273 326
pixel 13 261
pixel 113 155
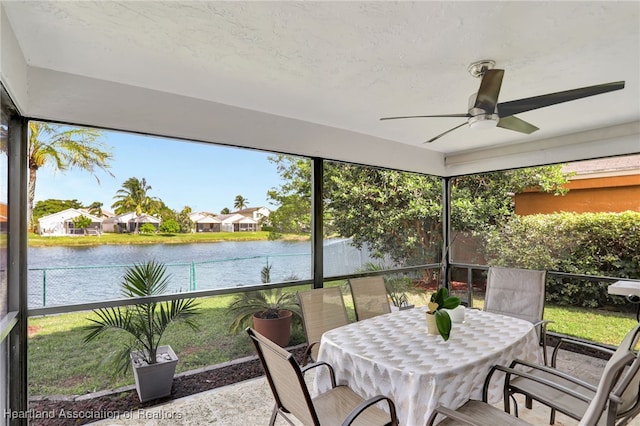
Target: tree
pixel 240 202
pixel 133 196
pixel 64 148
pixel 185 224
pixel 392 213
pixel 51 206
pixel 397 213
pixel 225 210
pixel 95 208
pixel 293 198
pixel 82 222
pixel 487 199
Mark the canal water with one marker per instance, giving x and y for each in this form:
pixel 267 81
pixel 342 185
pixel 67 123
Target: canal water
pixel 70 275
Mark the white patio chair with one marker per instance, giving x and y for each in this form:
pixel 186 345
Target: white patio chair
pixel 338 406
pixel 369 297
pixel 518 293
pixel 613 401
pixel 322 309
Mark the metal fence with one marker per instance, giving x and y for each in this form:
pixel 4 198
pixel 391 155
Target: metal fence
pixel 59 286
pixel 85 284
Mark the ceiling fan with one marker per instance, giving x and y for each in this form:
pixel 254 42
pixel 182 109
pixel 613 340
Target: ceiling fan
pixel 485 111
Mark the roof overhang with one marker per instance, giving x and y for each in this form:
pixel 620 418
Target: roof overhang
pixel 106 101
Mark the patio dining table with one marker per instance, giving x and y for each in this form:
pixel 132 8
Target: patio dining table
pixel 393 355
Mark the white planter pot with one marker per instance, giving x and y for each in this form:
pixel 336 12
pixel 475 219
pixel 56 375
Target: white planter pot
pixel 456 314
pixel 154 380
pixel 432 326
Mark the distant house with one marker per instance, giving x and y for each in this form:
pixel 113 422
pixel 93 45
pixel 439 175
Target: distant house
pixel 129 222
pixel 602 185
pixel 61 223
pixel 205 222
pixel 235 222
pixel 258 214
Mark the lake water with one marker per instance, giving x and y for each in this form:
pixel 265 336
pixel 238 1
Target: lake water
pixel 69 275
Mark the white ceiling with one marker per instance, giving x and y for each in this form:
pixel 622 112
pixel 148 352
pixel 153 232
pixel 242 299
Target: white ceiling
pixel 341 65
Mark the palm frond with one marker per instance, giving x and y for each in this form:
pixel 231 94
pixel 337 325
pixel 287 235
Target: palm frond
pixel 144 322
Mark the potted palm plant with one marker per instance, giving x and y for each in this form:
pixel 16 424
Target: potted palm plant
pixel 269 311
pixel 399 289
pixel 145 323
pixel 438 320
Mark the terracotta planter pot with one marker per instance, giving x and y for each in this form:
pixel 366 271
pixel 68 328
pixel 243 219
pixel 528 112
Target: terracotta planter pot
pixel 278 330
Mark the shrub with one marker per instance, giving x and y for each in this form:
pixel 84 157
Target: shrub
pixel 170 226
pixel 605 244
pixel 147 228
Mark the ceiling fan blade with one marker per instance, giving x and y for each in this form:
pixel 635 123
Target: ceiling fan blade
pixel 506 109
pixel 466 115
pixel 514 123
pixel 489 90
pixel 442 134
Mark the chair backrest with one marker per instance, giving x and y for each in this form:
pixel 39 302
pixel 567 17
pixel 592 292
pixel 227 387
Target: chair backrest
pixel 516 293
pixel 369 297
pixel 619 385
pixel 285 379
pixel 322 309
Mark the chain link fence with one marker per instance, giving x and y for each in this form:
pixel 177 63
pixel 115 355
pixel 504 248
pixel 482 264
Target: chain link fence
pixel 85 284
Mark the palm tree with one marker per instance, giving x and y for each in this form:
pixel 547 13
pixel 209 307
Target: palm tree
pixel 240 202
pixel 65 148
pixel 133 197
pixel 95 208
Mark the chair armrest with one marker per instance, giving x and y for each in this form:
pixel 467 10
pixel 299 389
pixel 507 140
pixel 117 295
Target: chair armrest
pixel 541 380
pixel 573 341
pixel 368 403
pixel 555 372
pixel 543 323
pixel 307 353
pixel 332 374
pixel 440 409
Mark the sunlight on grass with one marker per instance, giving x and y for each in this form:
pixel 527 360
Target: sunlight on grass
pixel 36 240
pixel 596 325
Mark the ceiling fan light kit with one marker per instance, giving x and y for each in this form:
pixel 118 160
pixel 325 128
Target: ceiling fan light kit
pixel 484 121
pixel 485 112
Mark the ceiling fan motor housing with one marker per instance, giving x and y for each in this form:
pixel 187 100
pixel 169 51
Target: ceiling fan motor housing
pixel 481 119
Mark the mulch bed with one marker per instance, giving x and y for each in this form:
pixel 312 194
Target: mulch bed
pixel 61 411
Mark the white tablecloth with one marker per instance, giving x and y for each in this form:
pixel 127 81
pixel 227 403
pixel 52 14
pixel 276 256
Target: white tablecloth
pixel 393 355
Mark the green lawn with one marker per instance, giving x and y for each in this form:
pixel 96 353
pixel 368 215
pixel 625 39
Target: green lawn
pixel 61 364
pixel 36 240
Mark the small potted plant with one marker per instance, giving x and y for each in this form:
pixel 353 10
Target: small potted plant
pixel 269 311
pixel 153 365
pixel 438 320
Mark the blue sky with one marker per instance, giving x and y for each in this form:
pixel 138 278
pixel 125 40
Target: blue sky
pixel 203 176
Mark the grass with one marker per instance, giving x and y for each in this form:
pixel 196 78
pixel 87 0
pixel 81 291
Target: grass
pixel 36 240
pixel 61 364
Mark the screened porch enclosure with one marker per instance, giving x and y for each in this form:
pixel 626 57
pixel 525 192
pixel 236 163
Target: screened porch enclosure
pixel 313 81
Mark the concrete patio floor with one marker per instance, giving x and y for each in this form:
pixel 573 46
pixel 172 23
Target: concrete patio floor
pixel 250 403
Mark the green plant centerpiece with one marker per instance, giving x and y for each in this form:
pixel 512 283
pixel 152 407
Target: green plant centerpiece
pixel 145 323
pixel 440 300
pixel 275 307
